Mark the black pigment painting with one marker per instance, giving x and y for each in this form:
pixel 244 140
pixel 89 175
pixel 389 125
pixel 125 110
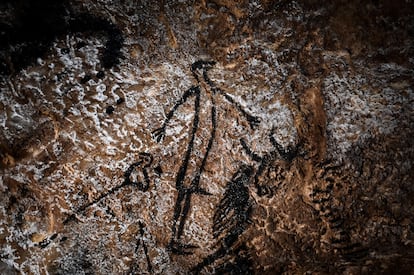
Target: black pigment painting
pixel 206 137
pixel 186 190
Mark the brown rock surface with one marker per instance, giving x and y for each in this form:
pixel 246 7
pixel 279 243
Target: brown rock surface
pixel 291 153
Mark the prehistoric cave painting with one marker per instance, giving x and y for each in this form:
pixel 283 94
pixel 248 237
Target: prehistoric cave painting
pixel 36 24
pixel 231 218
pixel 337 232
pixel 265 161
pixel 240 263
pixel 140 177
pixel 234 261
pixel 142 246
pixel 188 185
pixel 137 174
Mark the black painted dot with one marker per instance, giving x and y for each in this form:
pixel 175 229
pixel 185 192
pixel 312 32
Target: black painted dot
pixel 80 44
pixel 110 110
pixel 120 100
pixel 85 79
pixel 100 74
pixel 158 170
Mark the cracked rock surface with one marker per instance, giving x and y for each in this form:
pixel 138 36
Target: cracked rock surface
pixel 212 137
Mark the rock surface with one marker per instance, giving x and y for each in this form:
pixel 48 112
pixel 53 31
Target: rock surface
pixel 176 137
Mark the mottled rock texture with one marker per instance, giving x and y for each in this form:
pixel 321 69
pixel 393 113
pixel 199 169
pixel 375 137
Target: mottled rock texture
pixel 224 137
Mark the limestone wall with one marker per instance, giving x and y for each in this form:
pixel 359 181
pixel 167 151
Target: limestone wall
pixel 176 137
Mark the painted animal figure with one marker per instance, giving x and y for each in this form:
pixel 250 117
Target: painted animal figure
pixel 264 161
pixel 232 216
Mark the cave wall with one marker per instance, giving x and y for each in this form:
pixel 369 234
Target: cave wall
pixel 235 137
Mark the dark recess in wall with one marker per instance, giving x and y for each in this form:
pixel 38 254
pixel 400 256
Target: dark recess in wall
pixel 32 26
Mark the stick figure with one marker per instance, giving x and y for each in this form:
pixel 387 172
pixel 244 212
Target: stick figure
pixel 141 243
pixel 185 184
